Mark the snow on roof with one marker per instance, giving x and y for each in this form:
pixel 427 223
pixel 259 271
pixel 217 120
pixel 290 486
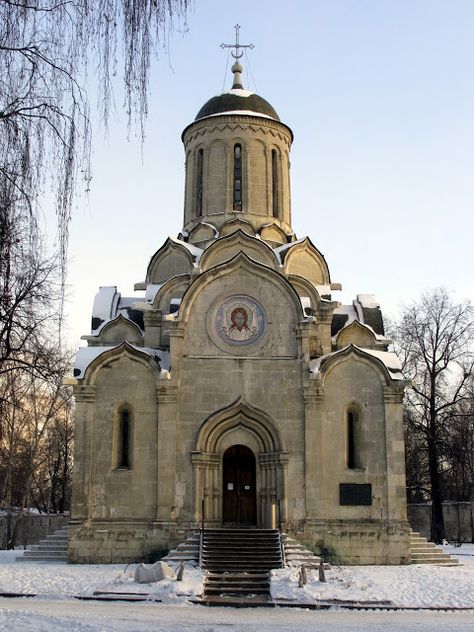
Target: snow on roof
pixel 388 358
pixel 240 113
pixel 391 361
pixel 126 301
pixel 368 301
pixel 152 290
pixel 349 311
pixel 282 249
pixel 323 289
pixel 105 304
pixel 305 302
pixel 86 355
pixel 194 250
pixel 239 92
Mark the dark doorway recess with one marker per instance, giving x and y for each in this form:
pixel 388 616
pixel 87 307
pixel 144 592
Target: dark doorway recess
pixel 239 489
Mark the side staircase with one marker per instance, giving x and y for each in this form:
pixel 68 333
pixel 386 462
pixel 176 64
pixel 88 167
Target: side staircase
pixel 53 548
pixel 424 552
pixel 187 551
pixel 237 564
pixel 296 554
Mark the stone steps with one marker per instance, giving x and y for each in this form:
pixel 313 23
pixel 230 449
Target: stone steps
pixel 238 562
pixel 297 554
pixel 424 552
pixel 53 548
pixel 187 551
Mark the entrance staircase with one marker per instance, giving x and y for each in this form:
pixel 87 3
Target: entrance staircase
pixel 424 552
pixel 53 548
pixel 237 564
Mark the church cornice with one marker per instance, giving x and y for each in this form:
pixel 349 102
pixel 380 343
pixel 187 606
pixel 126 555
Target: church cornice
pixel 223 122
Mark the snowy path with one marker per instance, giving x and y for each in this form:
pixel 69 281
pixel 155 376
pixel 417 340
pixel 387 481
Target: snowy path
pixel 34 615
pixel 53 610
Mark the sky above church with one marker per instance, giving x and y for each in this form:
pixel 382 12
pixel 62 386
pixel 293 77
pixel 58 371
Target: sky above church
pixel 380 97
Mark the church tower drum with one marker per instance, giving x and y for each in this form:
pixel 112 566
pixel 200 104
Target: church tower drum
pixel 237 164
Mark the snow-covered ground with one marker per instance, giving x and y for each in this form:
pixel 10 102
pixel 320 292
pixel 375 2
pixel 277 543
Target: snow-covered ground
pixel 412 586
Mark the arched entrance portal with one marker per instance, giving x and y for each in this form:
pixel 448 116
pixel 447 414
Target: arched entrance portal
pixel 244 438
pixel 239 497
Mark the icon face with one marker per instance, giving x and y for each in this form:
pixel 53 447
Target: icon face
pixel 240 320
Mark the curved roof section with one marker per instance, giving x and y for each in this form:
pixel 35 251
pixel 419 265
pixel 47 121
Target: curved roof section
pixel 237 101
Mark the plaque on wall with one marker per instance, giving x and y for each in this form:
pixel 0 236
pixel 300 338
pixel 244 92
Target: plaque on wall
pixel 355 494
pixel 240 320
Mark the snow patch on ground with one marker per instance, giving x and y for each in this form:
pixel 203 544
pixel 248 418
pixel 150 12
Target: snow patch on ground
pixel 411 585
pixel 415 585
pixel 66 580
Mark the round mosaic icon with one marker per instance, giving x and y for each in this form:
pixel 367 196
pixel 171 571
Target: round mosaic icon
pixel 240 320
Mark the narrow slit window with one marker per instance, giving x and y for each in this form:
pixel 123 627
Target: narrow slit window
pixel 275 198
pixel 200 157
pixel 237 178
pixel 351 448
pixel 353 431
pixel 124 439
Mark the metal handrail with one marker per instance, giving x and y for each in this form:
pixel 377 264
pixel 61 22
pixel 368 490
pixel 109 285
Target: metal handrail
pixel 201 534
pixel 282 546
pixel 201 538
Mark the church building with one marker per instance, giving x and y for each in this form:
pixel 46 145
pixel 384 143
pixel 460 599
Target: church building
pixel 234 389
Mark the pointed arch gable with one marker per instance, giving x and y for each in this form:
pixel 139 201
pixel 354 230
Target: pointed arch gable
pixel 173 288
pixel 356 333
pixel 237 224
pixel 352 353
pixel 115 353
pixel 273 234
pixel 304 259
pixel 119 329
pixel 234 265
pixel 304 287
pixel 227 247
pixel 171 259
pixel 203 232
pixel 239 415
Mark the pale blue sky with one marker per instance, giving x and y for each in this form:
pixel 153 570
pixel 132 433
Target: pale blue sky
pixel 380 97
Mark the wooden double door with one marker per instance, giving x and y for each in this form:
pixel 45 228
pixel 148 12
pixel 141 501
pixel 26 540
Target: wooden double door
pixel 239 496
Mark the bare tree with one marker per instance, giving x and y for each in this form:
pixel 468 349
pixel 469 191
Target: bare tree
pixel 434 338
pixel 36 439
pixel 45 49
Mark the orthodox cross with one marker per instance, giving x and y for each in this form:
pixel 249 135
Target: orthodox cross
pixel 237 44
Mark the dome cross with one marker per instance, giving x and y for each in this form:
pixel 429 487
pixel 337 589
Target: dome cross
pixel 238 54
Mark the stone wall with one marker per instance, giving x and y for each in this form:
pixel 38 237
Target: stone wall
pixel 32 527
pixel 458 519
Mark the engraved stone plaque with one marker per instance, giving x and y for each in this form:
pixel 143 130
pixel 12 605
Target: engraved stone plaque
pixel 355 494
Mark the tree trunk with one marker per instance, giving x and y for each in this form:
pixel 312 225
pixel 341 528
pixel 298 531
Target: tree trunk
pixel 437 518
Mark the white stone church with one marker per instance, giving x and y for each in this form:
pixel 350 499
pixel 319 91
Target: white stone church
pixel 234 389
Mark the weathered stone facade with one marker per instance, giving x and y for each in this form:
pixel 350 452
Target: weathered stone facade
pixel 237 347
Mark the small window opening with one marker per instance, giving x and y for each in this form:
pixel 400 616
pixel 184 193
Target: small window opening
pixel 351 456
pixel 200 156
pixel 124 440
pixel 237 178
pixel 275 198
